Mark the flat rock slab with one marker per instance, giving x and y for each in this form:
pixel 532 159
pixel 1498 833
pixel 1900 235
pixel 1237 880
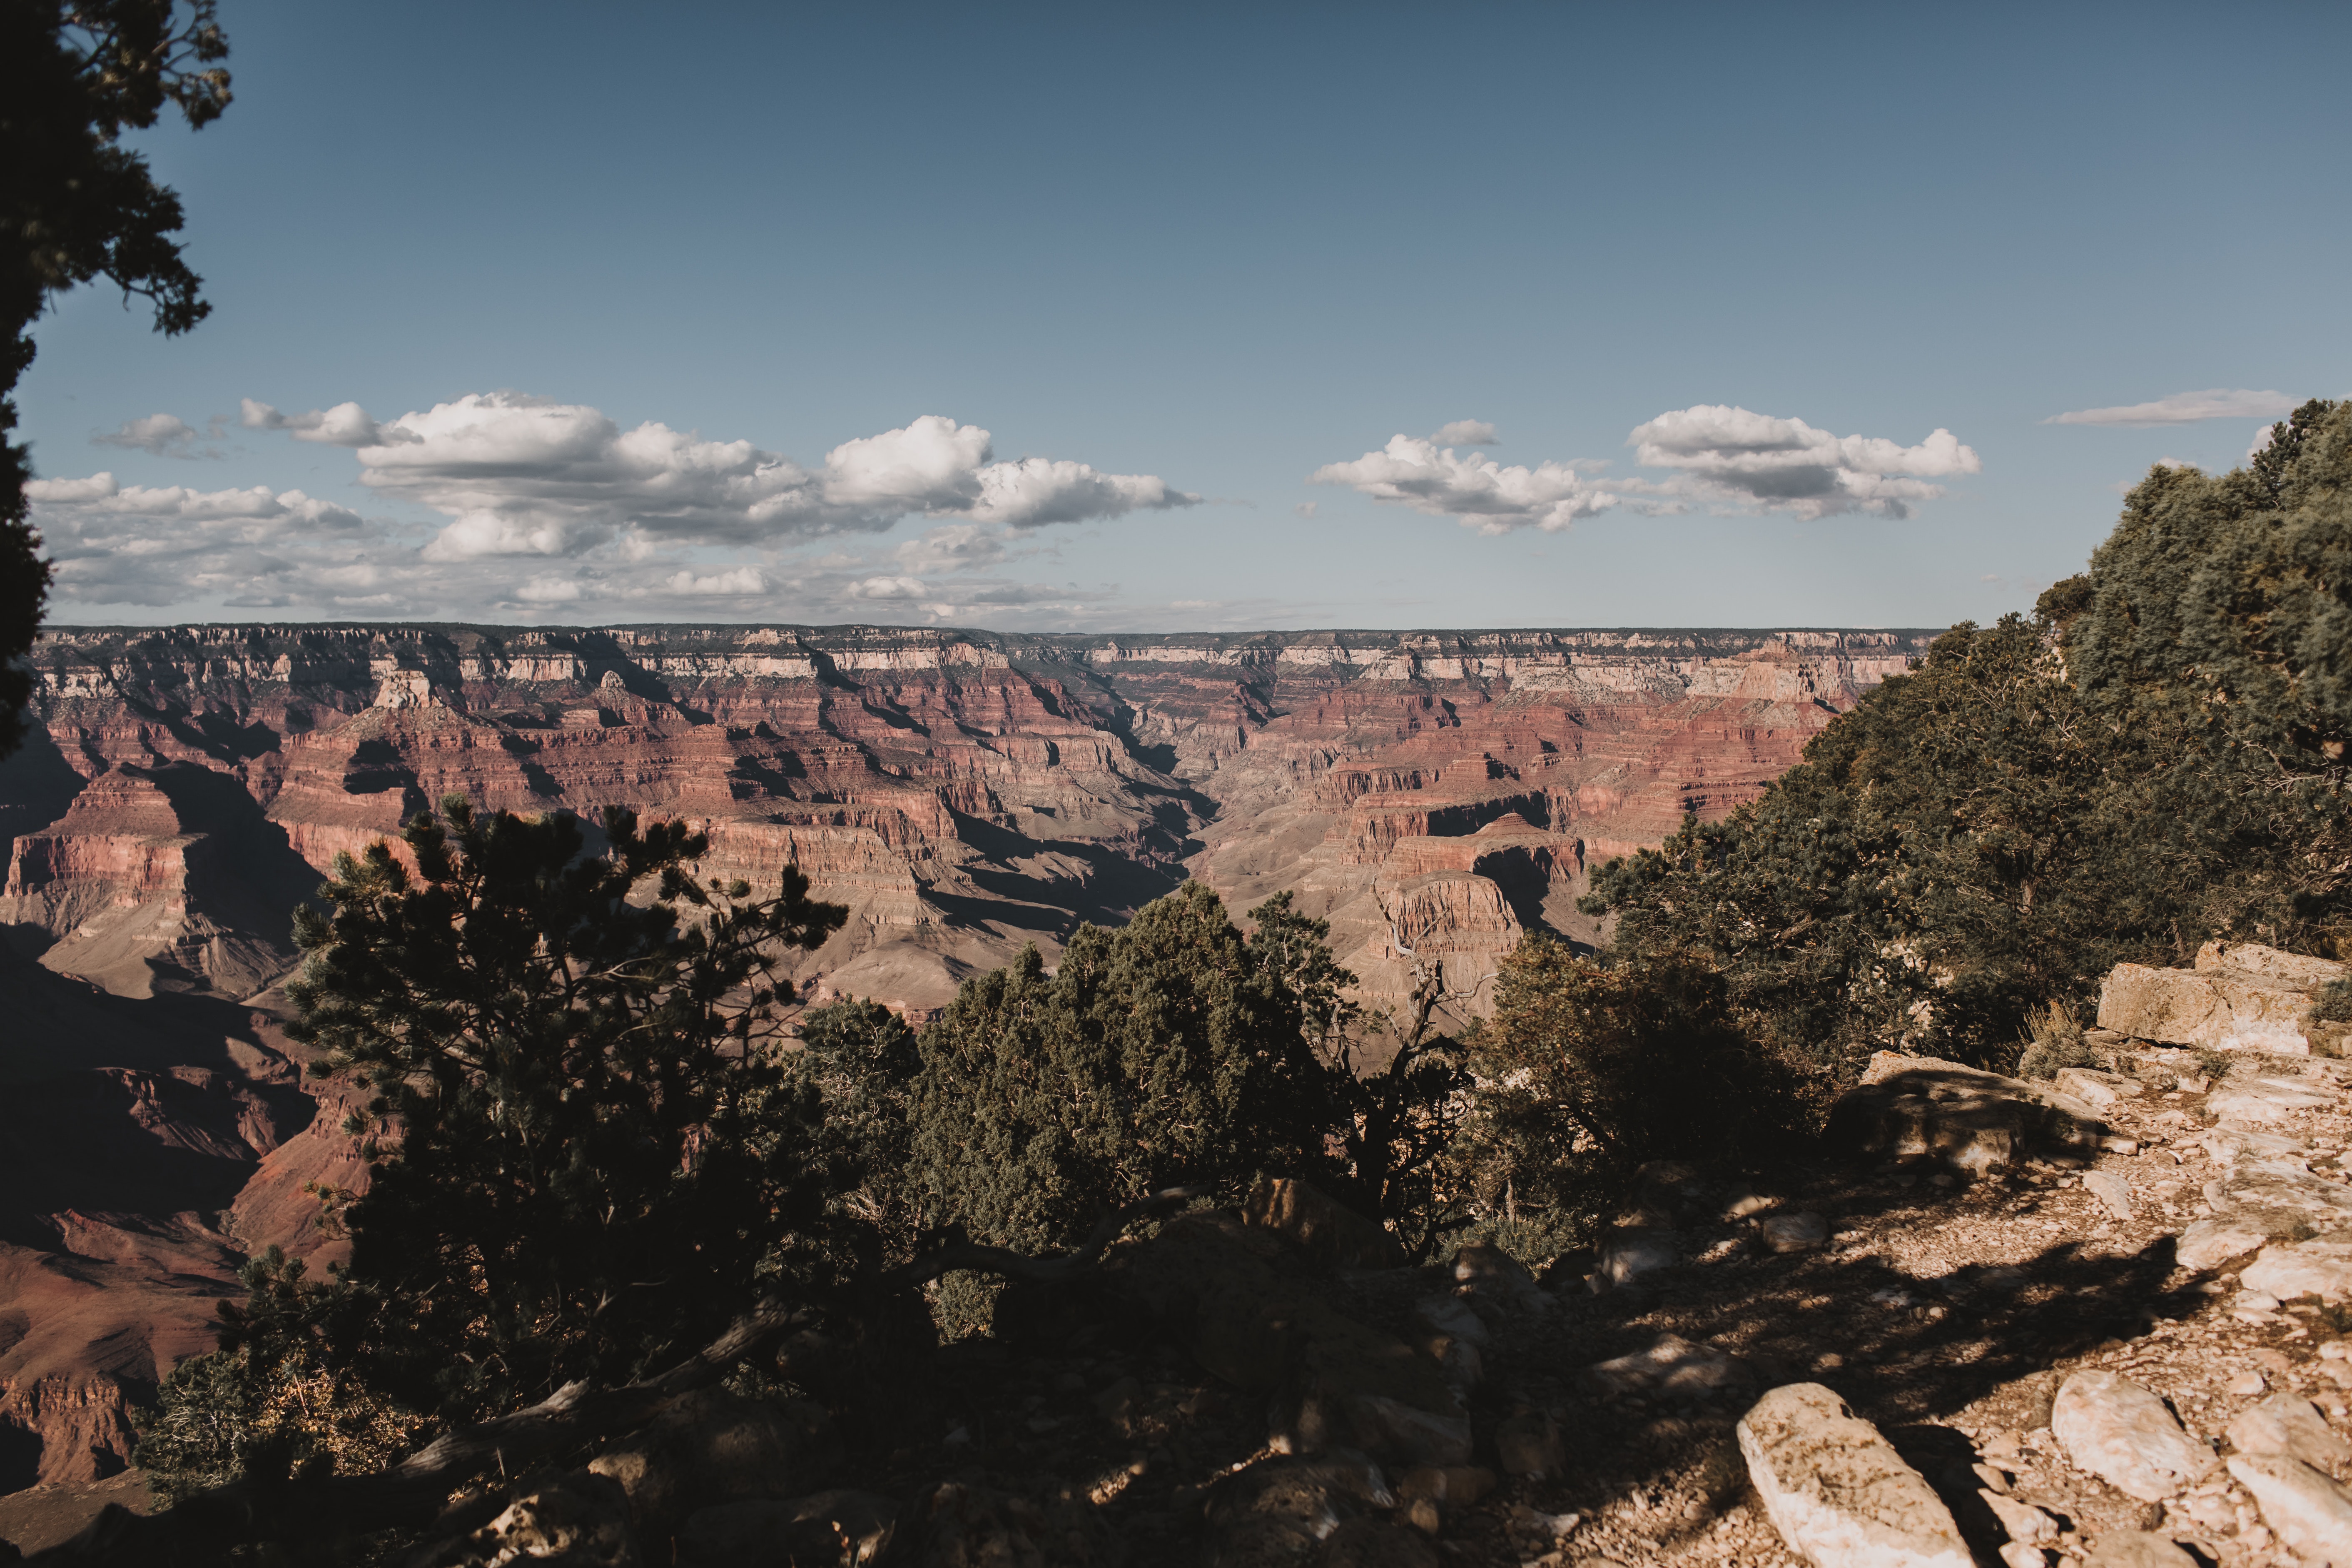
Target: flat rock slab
pixel 2226 1009
pixel 2234 1144
pixel 2210 1243
pixel 1837 1491
pixel 1672 1368
pixel 2267 1099
pixel 2111 1189
pixel 1905 1107
pixel 2291 1269
pixel 2120 1432
pixel 2097 1088
pixel 2289 1424
pixel 2326 1203
pixel 2311 1514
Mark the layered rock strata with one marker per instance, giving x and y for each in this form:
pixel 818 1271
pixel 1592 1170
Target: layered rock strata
pixel 963 793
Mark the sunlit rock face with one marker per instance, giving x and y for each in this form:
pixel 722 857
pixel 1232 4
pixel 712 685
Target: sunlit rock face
pixel 964 793
pixel 1436 795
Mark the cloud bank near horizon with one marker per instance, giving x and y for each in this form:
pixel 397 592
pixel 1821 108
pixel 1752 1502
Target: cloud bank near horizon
pixel 1723 458
pixel 535 504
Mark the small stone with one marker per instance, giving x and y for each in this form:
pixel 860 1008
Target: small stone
pixel 2017 1554
pixel 2111 1190
pixel 1745 1204
pixel 2102 1089
pixel 2138 1549
pixel 2022 1521
pixel 1836 1489
pixel 1795 1232
pixel 2335 1350
pixel 2245 1385
pixel 2256 1300
pixel 2311 1513
pixel 2121 1433
pixel 1423 1515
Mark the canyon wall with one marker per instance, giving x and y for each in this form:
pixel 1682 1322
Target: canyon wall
pixel 1433 794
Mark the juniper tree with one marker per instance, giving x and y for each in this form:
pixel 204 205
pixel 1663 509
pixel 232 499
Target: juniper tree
pixel 76 205
pixel 1168 1052
pixel 587 1152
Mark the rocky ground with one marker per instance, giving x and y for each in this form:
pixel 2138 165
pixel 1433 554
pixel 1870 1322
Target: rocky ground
pixel 2098 1321
pixel 1950 1313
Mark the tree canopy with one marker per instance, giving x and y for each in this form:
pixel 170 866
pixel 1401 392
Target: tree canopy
pixel 587 1150
pixel 2155 759
pixel 75 205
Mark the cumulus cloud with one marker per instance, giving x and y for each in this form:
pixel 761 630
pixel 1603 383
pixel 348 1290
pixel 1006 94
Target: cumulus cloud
pixel 344 425
pixel 1723 458
pixel 141 544
pixel 1464 433
pixel 956 547
pixel 1477 491
pixel 2185 408
pixel 161 435
pixel 733 582
pixel 526 476
pixel 1742 460
pixel 547 590
pixel 887 588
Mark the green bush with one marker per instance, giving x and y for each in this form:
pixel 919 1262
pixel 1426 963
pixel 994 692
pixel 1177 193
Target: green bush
pixel 1589 1070
pixel 1169 1052
pixel 587 1152
pixel 2158 759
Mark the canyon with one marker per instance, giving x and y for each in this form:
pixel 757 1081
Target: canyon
pixel 1434 796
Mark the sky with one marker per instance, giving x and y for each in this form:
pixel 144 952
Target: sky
pixel 1200 317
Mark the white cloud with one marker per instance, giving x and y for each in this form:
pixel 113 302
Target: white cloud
pixel 1308 508
pixel 955 547
pixel 1738 460
pixel 1036 492
pixel 344 425
pixel 733 582
pixel 2186 408
pixel 544 590
pixel 525 475
pixel 1464 433
pixel 887 588
pixel 162 435
pixel 139 544
pixel 1477 491
pixel 1727 459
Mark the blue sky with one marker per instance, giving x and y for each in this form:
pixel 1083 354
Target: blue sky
pixel 1207 252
